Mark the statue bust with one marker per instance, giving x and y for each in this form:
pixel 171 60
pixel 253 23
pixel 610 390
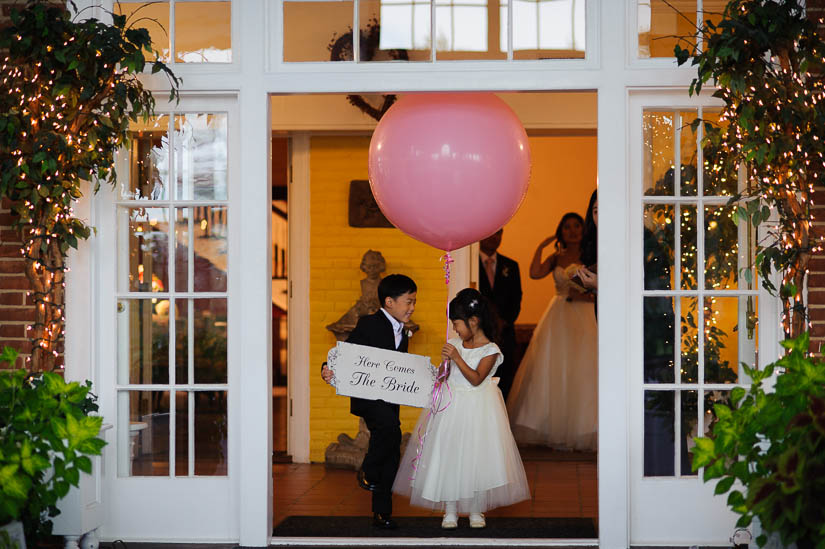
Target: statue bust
pixel 372 264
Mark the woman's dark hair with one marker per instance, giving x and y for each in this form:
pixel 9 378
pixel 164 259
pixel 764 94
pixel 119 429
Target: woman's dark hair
pixel 395 285
pixel 470 303
pixel 559 237
pixel 590 239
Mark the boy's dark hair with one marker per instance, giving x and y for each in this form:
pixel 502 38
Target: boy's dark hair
pixel 395 285
pixel 468 303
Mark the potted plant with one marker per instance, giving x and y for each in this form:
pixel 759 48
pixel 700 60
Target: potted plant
pixel 768 449
pixel 46 437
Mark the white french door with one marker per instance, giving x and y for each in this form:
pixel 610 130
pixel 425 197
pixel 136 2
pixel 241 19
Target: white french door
pixel 169 368
pixel 695 316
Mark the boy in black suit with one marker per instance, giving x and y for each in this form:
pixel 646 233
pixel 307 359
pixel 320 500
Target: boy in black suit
pixel 383 329
pixel 500 282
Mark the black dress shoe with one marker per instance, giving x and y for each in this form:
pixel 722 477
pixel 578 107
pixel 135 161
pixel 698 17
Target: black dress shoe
pixel 384 522
pixel 364 483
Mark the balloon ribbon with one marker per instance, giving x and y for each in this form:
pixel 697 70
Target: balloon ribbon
pixel 441 375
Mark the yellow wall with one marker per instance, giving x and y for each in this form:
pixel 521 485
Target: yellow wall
pixel 562 178
pixel 335 255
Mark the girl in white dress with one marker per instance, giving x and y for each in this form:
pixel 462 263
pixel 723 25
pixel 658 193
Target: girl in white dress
pixel 469 462
pixel 553 401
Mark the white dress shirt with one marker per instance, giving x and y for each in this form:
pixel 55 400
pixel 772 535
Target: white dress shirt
pixel 397 327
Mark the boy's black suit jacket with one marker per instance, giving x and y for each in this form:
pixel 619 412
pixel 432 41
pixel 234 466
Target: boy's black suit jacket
pixel 375 330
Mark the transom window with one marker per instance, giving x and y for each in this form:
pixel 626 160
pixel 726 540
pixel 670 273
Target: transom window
pixel 403 30
pixel 184 31
pixel 662 24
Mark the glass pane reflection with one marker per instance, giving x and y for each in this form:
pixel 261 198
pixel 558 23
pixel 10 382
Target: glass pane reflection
pixel 209 248
pixel 203 32
pixel 689 329
pixel 658 340
pixel 545 29
pixel 659 433
pixel 688 430
pixel 154 17
pixel 464 30
pixel 211 455
pixel 660 27
pixel 144 415
pixel 730 336
pixel 721 248
pixel 689 247
pixel 308 37
pixel 148 174
pixel 719 180
pixel 659 155
pixel 143 341
pixel 687 153
pixel 210 337
pixel 144 240
pixel 658 242
pixel 201 152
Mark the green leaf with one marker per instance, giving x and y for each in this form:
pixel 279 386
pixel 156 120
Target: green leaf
pixel 84 464
pixel 724 485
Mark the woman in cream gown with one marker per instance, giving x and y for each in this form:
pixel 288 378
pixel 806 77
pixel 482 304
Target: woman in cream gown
pixel 553 401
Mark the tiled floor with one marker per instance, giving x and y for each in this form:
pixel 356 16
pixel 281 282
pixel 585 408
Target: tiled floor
pixel 564 487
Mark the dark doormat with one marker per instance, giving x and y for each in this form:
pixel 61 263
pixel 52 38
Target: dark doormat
pixel 430 527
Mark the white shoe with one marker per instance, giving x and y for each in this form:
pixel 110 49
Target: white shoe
pixel 450 521
pixel 477 520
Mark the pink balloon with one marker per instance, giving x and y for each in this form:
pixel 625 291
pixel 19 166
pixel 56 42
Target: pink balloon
pixel 449 169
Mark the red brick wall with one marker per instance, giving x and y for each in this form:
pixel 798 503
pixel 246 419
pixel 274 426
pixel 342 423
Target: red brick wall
pixel 816 283
pixel 16 310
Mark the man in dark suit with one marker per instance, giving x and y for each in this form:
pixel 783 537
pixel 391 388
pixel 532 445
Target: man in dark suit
pixel 500 282
pixel 383 329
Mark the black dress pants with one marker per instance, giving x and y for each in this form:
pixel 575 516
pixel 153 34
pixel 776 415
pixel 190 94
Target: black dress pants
pixel 384 452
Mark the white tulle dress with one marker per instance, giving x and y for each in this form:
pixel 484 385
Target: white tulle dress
pixel 469 454
pixel 553 401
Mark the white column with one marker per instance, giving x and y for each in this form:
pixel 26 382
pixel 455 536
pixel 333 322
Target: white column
pixel 614 294
pixel 253 296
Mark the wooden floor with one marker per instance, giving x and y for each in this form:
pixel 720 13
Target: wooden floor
pixel 560 488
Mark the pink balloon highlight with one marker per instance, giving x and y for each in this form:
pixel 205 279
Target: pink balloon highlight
pixel 449 169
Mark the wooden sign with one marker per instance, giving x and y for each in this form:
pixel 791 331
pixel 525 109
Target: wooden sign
pixel 378 374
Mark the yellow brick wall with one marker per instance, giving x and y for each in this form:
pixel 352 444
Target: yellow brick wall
pixel 336 250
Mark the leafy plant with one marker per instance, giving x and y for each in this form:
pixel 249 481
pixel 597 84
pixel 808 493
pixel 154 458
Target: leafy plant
pixel 70 90
pixel 768 449
pixel 765 59
pixel 46 438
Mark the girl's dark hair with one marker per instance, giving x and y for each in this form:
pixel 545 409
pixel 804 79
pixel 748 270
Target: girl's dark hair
pixel 470 303
pixel 590 239
pixel 559 237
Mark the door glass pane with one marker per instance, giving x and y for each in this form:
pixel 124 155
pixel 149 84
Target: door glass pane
pixel 545 29
pixel 210 317
pixel 719 180
pixel 210 247
pixel 721 248
pixel 318 31
pixel 211 455
pixel 152 16
pixel 183 309
pixel 659 334
pixel 390 31
pixel 690 340
pixel 661 26
pixel 203 32
pixel 690 250
pixel 145 416
pixel 148 173
pixel 201 156
pixel 659 433
pixel 658 168
pixel 687 153
pixel 688 429
pixel 182 433
pixel 658 243
pixel 143 340
pixel 143 249
pixel 182 249
pixel 730 336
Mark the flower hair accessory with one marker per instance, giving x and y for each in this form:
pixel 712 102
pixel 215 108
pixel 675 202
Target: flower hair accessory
pixel 473 304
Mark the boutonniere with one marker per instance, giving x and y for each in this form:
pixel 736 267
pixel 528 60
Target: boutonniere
pixel 409 333
pixel 505 271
